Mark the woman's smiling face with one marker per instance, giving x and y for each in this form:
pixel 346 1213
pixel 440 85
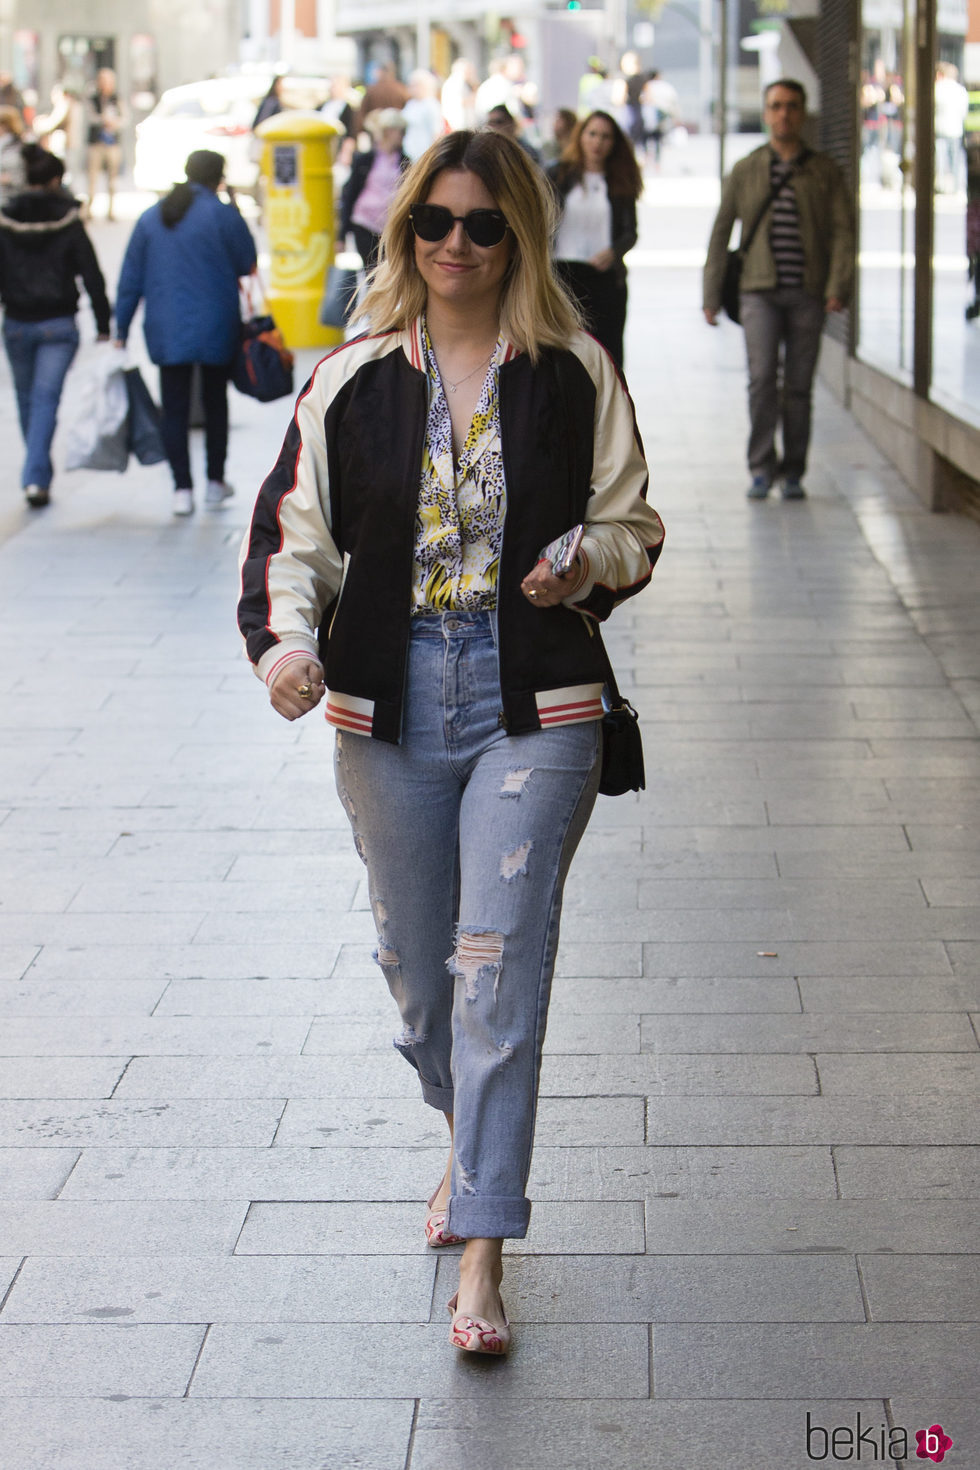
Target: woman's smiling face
pixel 456 271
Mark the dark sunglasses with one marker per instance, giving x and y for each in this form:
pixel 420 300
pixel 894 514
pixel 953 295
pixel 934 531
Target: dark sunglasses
pixel 433 222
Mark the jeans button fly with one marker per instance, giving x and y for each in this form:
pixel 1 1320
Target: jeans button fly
pixel 452 624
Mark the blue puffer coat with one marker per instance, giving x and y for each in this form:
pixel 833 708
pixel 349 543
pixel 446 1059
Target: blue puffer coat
pixel 188 279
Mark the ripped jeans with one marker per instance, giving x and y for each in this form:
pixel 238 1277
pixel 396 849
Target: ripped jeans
pixel 467 834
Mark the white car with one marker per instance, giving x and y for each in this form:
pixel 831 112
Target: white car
pixel 216 114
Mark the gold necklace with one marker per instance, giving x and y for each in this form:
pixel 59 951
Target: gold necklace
pixel 460 381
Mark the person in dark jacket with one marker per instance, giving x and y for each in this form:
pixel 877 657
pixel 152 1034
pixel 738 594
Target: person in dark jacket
pixel 374 176
pixel 598 182
pixel 184 259
pixel 43 251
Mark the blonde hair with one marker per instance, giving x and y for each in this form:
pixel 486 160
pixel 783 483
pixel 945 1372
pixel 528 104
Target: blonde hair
pixel 535 310
pixel 11 119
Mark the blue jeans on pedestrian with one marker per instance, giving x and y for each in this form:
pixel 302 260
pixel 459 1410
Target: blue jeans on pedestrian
pixel 468 833
pixel 40 355
pixel 786 323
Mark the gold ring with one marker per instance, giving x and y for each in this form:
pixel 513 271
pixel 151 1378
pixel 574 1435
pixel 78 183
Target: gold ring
pixel 305 691
pixel 532 593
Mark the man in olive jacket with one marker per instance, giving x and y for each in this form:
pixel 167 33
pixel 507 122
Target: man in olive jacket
pixel 799 266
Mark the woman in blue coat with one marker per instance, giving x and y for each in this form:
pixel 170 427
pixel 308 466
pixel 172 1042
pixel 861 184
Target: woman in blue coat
pixel 184 259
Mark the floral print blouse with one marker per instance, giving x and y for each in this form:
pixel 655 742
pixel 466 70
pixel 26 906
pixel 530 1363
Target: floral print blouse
pixel 460 520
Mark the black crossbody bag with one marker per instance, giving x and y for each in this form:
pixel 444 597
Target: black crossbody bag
pixel 622 746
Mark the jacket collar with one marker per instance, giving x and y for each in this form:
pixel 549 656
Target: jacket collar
pixel 414 349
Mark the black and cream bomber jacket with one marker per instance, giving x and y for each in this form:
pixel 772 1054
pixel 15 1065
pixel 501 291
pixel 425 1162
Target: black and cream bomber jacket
pixel 327 560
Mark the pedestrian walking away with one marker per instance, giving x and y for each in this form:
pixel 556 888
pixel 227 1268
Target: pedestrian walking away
pixel 184 260
pixel 43 251
pixel 398 565
pixel 597 181
pixel 798 267
pixel 104 138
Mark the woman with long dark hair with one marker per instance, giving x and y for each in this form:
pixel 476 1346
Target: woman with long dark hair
pixel 399 562
pixel 184 259
pixel 598 181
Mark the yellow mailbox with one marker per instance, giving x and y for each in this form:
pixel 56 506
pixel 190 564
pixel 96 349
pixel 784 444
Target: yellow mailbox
pixel 297 168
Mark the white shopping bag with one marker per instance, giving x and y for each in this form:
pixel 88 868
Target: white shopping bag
pixel 97 438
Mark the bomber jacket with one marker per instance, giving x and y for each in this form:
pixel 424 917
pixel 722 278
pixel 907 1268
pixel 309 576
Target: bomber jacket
pixel 327 561
pixel 43 250
pixel 826 227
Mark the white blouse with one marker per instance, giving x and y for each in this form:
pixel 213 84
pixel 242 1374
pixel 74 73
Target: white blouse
pixel 586 223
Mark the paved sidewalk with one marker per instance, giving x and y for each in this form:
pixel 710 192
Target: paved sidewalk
pixel 753 1185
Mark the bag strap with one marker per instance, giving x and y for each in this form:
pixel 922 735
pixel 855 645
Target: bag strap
pixel 618 702
pixel 746 240
pixel 252 294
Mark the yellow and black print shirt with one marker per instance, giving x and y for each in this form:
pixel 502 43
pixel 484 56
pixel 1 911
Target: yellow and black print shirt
pixel 460 519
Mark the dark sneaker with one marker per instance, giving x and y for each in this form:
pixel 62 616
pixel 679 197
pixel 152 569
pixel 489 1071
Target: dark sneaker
pixel 759 488
pixel 37 496
pixel 793 490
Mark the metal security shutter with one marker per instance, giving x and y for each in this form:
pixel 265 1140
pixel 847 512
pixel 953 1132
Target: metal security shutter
pixel 837 42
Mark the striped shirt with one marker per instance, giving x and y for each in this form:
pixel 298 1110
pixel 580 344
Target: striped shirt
pixel 784 224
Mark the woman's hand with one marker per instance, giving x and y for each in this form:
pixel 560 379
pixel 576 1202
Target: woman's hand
pixel 604 261
pixel 543 589
pixel 298 689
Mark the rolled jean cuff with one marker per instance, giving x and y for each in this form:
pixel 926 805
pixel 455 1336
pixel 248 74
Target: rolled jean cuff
pixel 437 1097
pixel 488 1217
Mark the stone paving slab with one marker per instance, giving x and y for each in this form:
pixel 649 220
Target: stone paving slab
pixel 295 1361
pixel 698 1173
pixel 909 1173
pixel 244 961
pixel 35 1173
pixel 760 1434
pixel 665 1075
pixel 896 994
pixel 915 1288
pixel 737 958
pixel 665 1288
pixel 934 1119
pixel 38 997
pixel 56 1362
pixel 15 959
pixel 587 997
pixel 34 1077
pixel 198 1287
pixel 781 1361
pixel 705 1227
pixel 191 1173
pixel 141 1123
pixel 863 1076
pixel 160 1036
pixel 376 1076
pixel 233 1434
pixel 810 1032
pixel 125 1227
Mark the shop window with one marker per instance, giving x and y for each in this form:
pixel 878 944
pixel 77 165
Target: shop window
pixel 886 195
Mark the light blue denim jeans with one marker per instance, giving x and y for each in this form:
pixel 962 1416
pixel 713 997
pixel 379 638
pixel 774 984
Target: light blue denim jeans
pixel 40 355
pixel 468 834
